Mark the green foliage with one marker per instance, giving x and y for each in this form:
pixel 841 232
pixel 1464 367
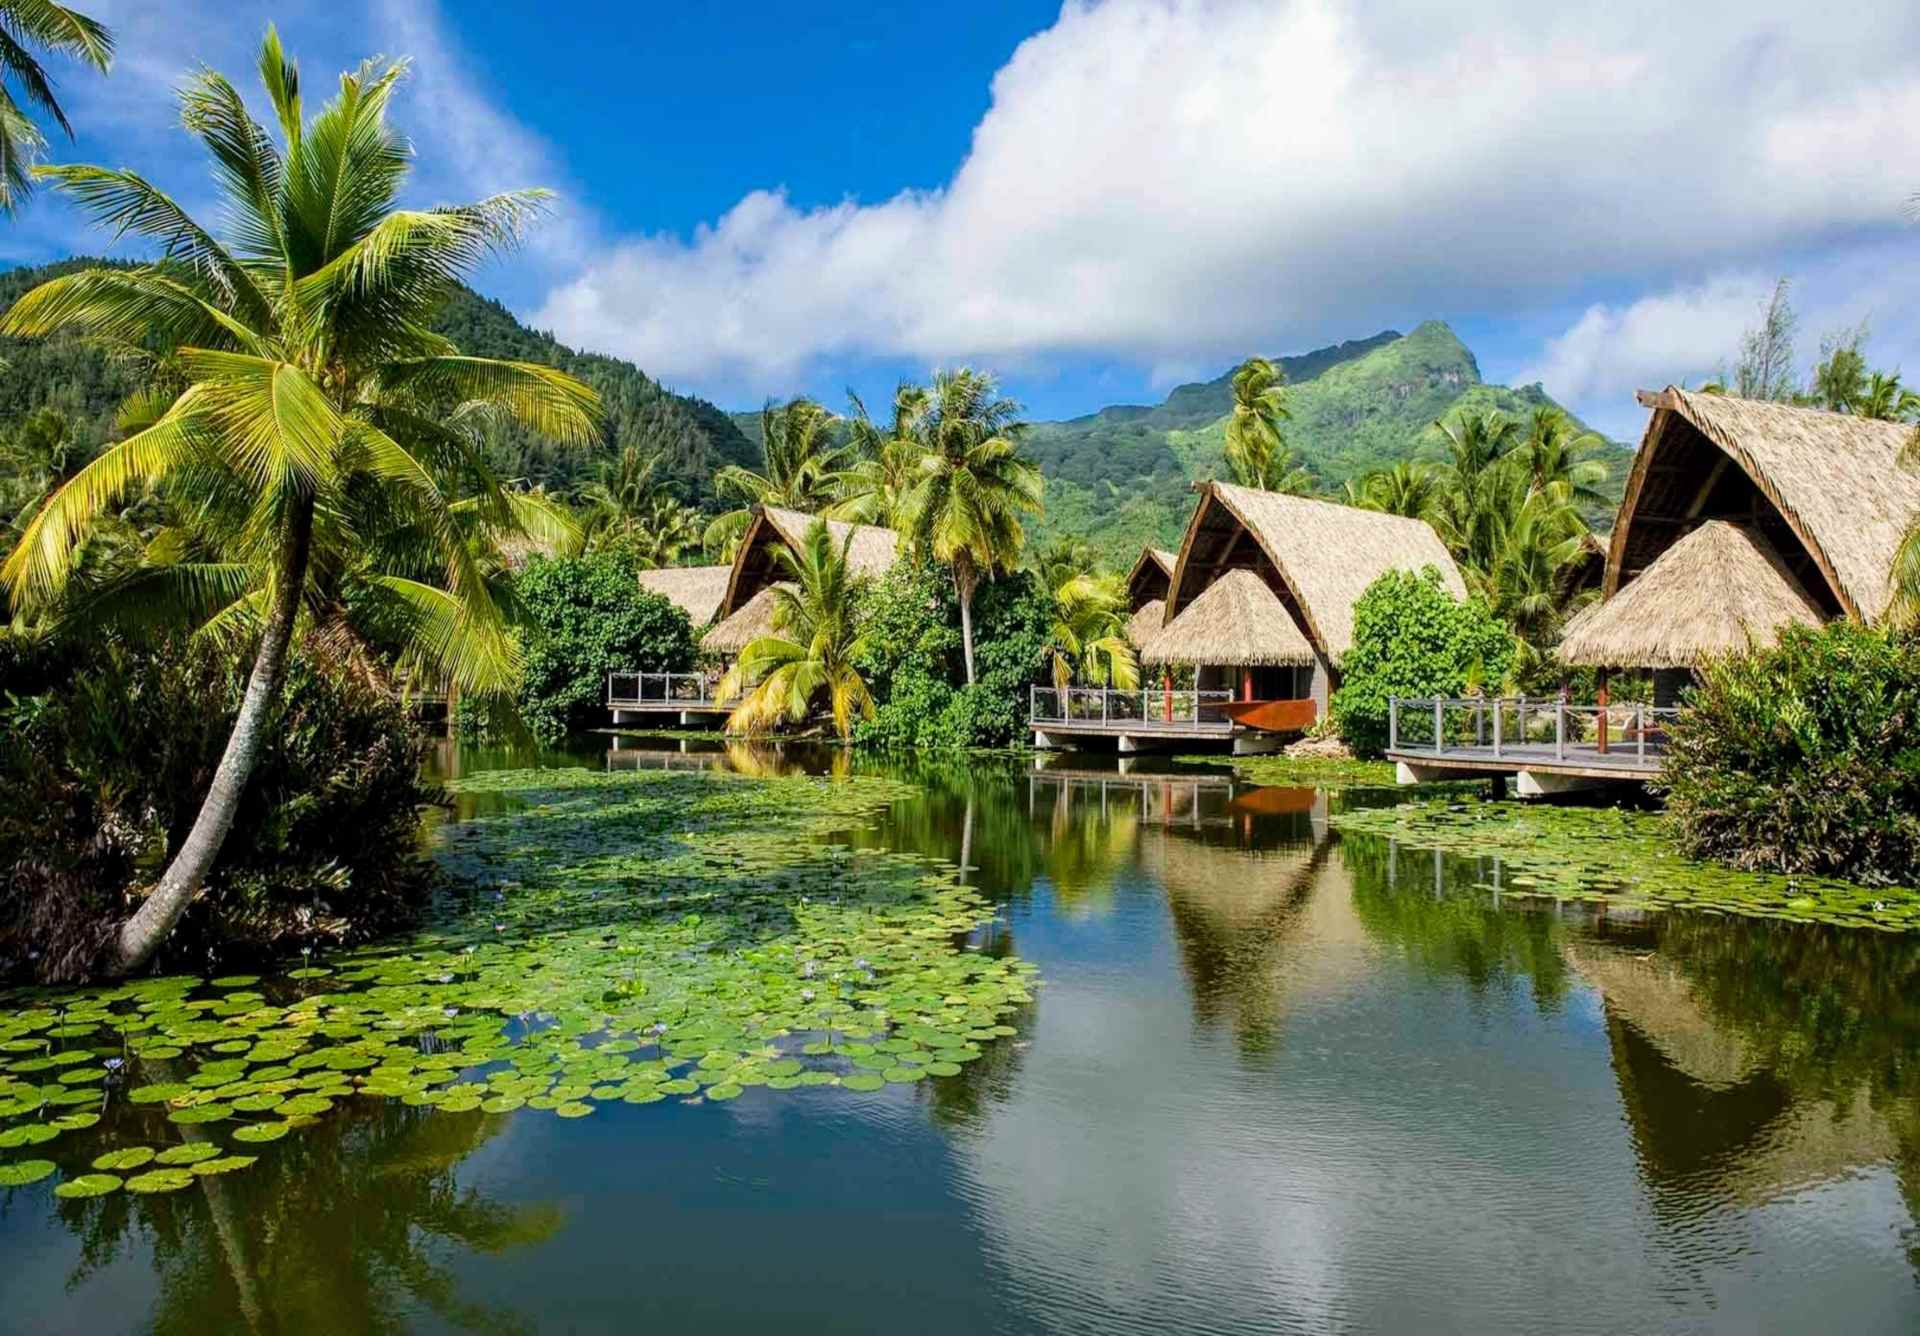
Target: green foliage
pixel 1413 638
pixel 912 660
pixel 103 757
pixel 585 617
pixel 1805 758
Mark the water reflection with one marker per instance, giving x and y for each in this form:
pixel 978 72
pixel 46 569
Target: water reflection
pixel 1277 1079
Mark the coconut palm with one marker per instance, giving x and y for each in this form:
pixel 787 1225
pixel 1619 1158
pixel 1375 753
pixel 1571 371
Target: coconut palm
pixel 628 506
pixel 1410 488
pixel 887 460
pixel 804 469
pixel 1555 451
pixel 1088 635
pixel 1886 399
pixel 815 644
pixel 974 486
pixel 1471 497
pixel 1256 452
pixel 308 390
pixel 28 26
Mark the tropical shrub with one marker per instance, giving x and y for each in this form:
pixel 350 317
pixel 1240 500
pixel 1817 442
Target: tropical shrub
pixel 104 752
pixel 914 664
pixel 1411 637
pixel 1805 757
pixel 585 617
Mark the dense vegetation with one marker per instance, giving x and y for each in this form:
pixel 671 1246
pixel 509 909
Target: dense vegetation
pixel 585 617
pixel 105 752
pixel 1805 758
pixel 1411 637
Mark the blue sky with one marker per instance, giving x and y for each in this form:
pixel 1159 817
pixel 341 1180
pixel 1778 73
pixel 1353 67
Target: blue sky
pixel 1101 200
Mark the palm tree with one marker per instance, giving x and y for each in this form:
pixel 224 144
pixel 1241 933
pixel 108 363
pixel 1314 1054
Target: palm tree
pixel 804 469
pixel 1470 504
pixel 27 25
pixel 1256 452
pixel 628 506
pixel 312 388
pixel 973 487
pixel 815 644
pixel 887 460
pixel 1410 488
pixel 1886 399
pixel 1554 452
pixel 1088 633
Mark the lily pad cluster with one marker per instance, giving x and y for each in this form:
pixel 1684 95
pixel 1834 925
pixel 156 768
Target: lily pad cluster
pixel 1624 857
pixel 617 937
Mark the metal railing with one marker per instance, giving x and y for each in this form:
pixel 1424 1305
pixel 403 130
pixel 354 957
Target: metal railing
pixel 629 691
pixel 1516 726
pixel 1148 708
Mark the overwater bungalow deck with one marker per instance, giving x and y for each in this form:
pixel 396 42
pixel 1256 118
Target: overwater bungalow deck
pixel 1152 718
pixel 1549 745
pixel 636 698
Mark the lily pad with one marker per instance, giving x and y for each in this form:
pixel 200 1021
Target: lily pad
pixel 89 1185
pixel 188 1153
pixel 131 1157
pixel 160 1180
pixel 22 1172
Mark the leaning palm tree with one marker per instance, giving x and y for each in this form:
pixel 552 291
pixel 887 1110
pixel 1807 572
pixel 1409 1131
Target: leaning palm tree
pixel 1088 634
pixel 804 469
pixel 1886 399
pixel 307 383
pixel 811 653
pixel 974 486
pixel 1256 452
pixel 27 26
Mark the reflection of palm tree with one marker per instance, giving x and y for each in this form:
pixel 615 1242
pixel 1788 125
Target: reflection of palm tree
pixel 355 1209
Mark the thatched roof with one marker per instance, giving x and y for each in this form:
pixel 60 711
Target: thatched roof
pixel 870 551
pixel 695 590
pixel 1720 590
pixel 1317 555
pixel 1238 621
pixel 1147 582
pixel 1826 489
pixel 1145 624
pixel 752 621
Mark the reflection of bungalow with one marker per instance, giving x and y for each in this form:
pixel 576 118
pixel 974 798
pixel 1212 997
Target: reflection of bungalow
pixel 695 590
pixel 1261 598
pixel 1742 518
pixel 745 610
pixel 1147 587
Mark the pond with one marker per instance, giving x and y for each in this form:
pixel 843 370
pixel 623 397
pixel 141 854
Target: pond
pixel 998 1045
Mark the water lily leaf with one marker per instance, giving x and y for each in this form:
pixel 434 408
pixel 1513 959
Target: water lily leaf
pixel 863 1082
pixel 188 1152
pixel 19 1173
pixel 131 1157
pixel 160 1180
pixel 258 1132
pixel 89 1185
pixel 225 1164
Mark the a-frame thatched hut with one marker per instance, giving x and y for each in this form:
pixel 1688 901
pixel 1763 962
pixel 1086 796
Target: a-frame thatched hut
pixel 1281 635
pixel 1741 518
pixel 695 590
pixel 1147 585
pixel 744 614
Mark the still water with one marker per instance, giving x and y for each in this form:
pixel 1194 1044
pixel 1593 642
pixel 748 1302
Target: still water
pixel 1276 1080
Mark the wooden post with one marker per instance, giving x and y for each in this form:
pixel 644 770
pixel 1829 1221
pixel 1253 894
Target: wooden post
pixel 1246 682
pixel 1393 723
pixel 1496 728
pixel 1166 683
pixel 1438 723
pixel 1601 697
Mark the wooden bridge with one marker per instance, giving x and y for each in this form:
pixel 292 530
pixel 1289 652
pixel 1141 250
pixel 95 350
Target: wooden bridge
pixel 1549 745
pixel 1158 717
pixel 637 698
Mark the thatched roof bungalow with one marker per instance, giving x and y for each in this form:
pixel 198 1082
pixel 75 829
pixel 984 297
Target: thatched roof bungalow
pixel 1810 506
pixel 1147 585
pixel 870 552
pixel 1292 622
pixel 695 590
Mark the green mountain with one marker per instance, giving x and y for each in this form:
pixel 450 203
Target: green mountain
pixel 1119 477
pixel 697 438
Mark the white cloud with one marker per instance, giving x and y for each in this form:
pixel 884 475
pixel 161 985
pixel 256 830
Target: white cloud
pixel 1167 180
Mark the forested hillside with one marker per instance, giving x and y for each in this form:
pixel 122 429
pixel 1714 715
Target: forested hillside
pixel 86 386
pixel 1119 476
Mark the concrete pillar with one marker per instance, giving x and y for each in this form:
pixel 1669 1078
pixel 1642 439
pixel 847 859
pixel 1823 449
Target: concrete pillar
pixel 1548 783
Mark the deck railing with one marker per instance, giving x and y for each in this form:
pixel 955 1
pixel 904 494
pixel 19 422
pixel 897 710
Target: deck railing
pixel 628 691
pixel 1515 725
pixel 1145 709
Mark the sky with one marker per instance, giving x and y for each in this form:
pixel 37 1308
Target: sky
pixel 1101 200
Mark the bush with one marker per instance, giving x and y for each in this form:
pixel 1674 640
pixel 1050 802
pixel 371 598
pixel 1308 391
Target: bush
pixel 585 617
pixel 1804 758
pixel 1413 638
pixel 915 669
pixel 105 755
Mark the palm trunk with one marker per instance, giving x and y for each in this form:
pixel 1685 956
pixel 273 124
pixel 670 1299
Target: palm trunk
pixel 142 934
pixel 963 582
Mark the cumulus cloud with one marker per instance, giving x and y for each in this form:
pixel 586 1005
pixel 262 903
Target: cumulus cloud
pixel 1160 180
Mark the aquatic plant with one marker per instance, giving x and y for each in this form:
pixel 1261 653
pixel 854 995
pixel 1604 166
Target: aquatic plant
pixel 1622 856
pixel 623 938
